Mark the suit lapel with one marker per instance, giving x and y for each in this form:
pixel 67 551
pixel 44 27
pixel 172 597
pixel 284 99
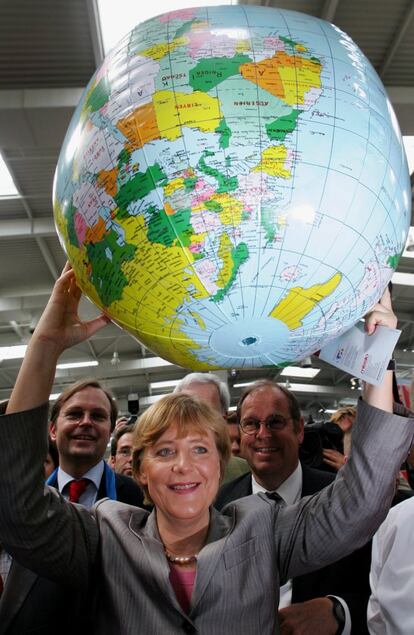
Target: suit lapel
pixel 18 586
pixel 147 533
pixel 156 562
pixel 211 553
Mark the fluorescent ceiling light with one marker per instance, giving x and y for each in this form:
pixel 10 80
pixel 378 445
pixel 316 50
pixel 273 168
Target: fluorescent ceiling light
pixel 330 411
pixel 149 400
pixel 13 352
pixel 118 18
pixel 160 385
pixel 54 396
pixel 404 279
pixel 298 371
pixel 243 384
pixel 232 408
pixel 409 151
pixel 68 365
pixel 154 362
pixel 7 186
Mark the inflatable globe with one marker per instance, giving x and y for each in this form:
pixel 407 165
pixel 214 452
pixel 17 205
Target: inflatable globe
pixel 232 189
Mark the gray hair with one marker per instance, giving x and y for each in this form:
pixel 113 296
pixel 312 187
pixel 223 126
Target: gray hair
pixel 207 378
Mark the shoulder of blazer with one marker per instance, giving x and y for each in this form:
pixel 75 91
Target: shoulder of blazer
pixel 314 480
pixel 237 488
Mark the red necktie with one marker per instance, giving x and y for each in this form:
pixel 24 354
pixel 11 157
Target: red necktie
pixel 76 489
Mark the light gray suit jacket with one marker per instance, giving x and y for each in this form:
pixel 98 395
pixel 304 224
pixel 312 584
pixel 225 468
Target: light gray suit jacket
pixel 115 551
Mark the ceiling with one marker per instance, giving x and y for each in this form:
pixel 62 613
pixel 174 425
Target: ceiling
pixel 48 51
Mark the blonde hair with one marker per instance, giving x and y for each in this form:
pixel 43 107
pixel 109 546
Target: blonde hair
pixel 186 413
pixel 346 411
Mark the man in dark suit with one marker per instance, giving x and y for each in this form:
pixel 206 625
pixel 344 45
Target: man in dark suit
pixel 82 420
pixel 271 433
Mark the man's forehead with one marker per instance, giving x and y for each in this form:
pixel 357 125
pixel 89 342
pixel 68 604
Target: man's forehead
pixel 90 397
pixel 125 439
pixel 207 391
pixel 265 395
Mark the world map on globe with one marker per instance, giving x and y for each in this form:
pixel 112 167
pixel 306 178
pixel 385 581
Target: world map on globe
pixel 232 189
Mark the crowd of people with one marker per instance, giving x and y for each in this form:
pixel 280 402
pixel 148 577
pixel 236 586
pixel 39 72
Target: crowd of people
pixel 200 521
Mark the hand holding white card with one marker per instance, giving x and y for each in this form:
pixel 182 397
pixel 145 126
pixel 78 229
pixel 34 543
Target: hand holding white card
pixel 361 355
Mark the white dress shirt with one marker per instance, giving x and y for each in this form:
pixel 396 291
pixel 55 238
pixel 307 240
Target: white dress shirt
pixel 291 492
pixel 390 607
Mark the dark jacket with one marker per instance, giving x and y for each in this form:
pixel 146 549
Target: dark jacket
pixel 34 605
pixel 347 578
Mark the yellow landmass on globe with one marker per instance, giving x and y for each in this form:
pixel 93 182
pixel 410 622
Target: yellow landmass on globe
pixel 173 185
pixel 224 253
pixel 195 110
pixel 299 302
pixel 299 79
pixel 160 279
pixel 231 209
pixel 243 46
pixel 158 51
pixel 273 162
pixel 198 238
pixel 198 319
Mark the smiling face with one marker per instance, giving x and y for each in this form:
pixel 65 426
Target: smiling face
pixel 82 430
pixel 182 475
pixel 272 455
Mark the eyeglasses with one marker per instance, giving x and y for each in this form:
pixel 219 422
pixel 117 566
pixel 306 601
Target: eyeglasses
pixel 76 415
pixel 125 452
pixel 273 423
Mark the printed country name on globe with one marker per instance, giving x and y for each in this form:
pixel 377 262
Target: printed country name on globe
pixel 251 103
pixel 166 78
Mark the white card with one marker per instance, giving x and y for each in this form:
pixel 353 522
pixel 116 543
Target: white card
pixel 363 356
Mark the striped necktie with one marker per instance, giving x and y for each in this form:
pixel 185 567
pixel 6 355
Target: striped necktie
pixel 274 496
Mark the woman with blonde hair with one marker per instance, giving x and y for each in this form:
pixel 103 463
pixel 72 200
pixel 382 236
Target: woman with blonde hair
pixel 184 567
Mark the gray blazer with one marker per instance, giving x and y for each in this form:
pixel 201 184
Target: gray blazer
pixel 34 604
pixel 115 552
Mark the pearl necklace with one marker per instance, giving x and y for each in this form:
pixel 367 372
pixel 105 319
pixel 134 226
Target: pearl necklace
pixel 180 559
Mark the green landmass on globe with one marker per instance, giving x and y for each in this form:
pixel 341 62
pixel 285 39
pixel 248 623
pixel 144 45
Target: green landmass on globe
pixel 232 189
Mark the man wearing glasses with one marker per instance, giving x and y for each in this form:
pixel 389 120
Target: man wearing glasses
pixel 332 599
pixel 121 450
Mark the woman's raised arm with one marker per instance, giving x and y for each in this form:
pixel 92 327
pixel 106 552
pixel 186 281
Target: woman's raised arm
pixel 382 314
pixel 59 328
